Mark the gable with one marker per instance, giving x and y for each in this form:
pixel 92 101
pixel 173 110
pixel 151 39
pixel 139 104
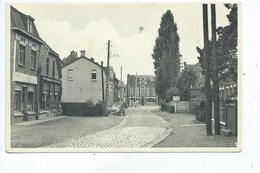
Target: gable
pixel 82 64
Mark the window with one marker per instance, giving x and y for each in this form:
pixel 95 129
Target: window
pixel 150 92
pixel 94 75
pixel 53 68
pixel 33 59
pixel 44 101
pixel 30 101
pixel 17 101
pixel 70 74
pixel 47 66
pixel 30 26
pixel 22 55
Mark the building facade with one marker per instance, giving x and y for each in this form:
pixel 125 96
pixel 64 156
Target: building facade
pixel 141 90
pixel 25 61
pixel 50 83
pixel 82 81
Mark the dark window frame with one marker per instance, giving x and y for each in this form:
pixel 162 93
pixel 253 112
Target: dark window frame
pixel 70 75
pixel 47 66
pixel 53 68
pixel 94 75
pixel 22 50
pixel 33 59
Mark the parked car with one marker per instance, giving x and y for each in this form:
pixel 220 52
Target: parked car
pixel 118 109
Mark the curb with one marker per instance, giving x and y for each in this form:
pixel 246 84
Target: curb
pixel 162 136
pixel 28 123
pixel 159 138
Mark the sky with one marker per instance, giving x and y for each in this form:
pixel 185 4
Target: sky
pixel 88 26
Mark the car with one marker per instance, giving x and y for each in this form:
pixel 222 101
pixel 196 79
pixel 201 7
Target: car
pixel 118 109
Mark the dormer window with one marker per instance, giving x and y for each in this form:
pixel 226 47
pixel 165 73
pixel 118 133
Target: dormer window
pixel 30 25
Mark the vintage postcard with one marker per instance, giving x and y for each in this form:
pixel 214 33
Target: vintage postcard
pixel 123 77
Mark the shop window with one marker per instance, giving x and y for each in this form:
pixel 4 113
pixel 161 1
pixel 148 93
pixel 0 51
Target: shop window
pixel 44 101
pixel 30 101
pixel 55 101
pixel 70 74
pixel 17 101
pixel 33 59
pixel 94 75
pixel 22 55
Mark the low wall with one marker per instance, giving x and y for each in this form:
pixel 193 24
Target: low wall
pixel 178 107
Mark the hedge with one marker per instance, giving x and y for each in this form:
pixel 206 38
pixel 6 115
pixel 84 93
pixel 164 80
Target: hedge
pixel 83 109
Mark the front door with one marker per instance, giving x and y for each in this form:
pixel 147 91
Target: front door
pixel 25 99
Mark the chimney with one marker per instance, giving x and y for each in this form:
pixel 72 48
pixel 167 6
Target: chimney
pixel 82 53
pixel 92 59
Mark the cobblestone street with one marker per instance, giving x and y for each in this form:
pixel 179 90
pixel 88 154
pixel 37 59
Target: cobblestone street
pixel 140 128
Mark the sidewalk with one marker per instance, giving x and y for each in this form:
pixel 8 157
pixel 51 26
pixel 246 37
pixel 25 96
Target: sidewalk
pixel 27 123
pixel 189 132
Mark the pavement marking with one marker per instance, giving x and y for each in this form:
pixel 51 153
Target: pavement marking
pixel 192 125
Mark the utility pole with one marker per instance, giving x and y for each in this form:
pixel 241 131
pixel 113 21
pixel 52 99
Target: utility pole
pixel 215 71
pixel 135 89
pixel 108 71
pixel 121 85
pixel 102 78
pixel 208 106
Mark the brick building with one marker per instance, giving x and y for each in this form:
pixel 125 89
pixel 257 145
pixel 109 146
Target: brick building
pixel 141 87
pixel 50 83
pixel 25 61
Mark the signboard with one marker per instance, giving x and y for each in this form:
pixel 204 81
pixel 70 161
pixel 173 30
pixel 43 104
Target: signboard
pixel 175 98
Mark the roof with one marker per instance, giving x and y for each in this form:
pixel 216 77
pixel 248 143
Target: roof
pixel 83 57
pixel 142 76
pixel 19 23
pixel 131 79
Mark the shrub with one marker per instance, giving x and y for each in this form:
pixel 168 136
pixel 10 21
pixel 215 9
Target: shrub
pixel 171 92
pixel 84 109
pixel 200 111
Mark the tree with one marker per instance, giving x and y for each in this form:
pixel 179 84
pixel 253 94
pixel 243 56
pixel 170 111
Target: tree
pixel 227 43
pixel 166 55
pixel 187 79
pixel 73 56
pixel 226 47
pixel 172 92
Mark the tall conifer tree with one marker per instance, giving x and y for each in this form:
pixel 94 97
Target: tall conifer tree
pixel 166 55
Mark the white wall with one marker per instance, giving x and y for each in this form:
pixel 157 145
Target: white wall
pixel 82 88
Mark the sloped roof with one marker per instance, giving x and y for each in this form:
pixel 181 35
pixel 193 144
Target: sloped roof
pixel 19 22
pixel 150 79
pixel 83 57
pixel 132 77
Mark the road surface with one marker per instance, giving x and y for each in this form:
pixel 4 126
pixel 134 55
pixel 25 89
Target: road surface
pixel 140 128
